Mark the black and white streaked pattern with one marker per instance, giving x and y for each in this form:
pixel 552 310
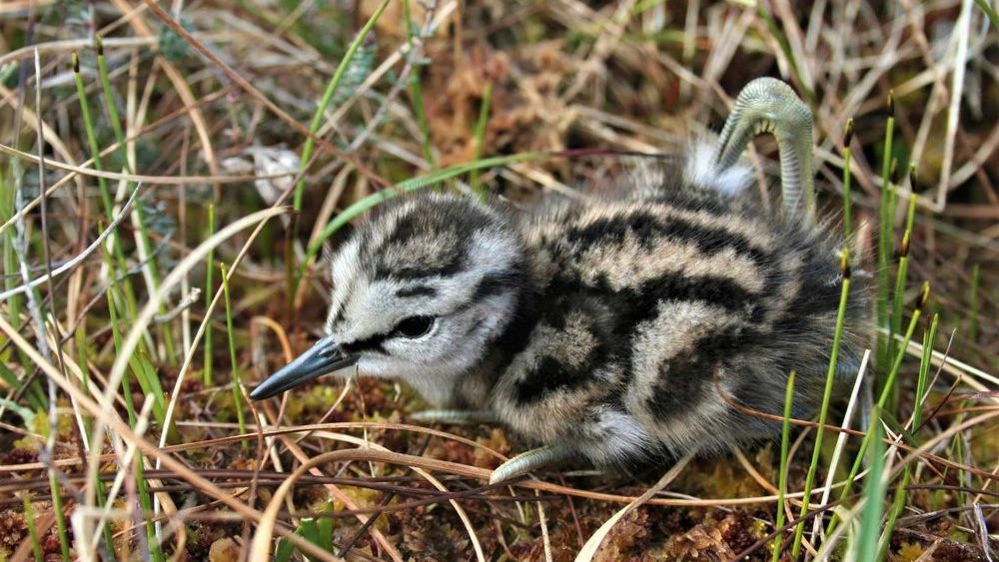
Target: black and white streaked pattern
pixel 604 321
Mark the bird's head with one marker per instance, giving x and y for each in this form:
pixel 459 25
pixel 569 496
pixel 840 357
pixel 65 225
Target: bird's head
pixel 419 292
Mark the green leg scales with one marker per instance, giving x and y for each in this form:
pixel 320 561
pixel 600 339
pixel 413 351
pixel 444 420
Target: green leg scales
pixel 454 417
pixel 533 460
pixel 767 105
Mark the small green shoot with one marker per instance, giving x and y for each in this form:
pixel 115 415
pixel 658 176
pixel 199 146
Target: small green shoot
pixel 319 533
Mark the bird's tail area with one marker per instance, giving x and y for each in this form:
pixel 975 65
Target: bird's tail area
pixel 702 170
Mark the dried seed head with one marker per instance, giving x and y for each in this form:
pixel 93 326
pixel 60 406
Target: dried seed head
pixel 925 297
pixel 844 264
pixel 99 45
pixel 75 58
pixel 891 103
pixel 848 134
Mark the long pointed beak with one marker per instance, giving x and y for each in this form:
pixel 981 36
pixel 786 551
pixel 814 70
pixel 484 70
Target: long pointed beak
pixel 324 357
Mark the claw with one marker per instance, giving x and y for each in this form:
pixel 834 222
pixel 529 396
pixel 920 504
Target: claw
pixel 768 105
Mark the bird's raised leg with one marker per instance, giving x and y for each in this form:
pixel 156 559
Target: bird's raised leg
pixel 456 417
pixel 533 460
pixel 768 105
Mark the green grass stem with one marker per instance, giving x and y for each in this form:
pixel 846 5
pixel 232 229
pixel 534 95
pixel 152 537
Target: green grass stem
pixel 874 493
pixel 95 153
pixel 29 520
pixel 882 400
pixel 898 297
pixel 34 395
pixel 119 134
pixel 331 87
pixel 291 278
pixel 826 398
pixel 416 93
pixel 989 11
pixel 209 291
pixel 142 487
pixel 60 517
pixel 237 384
pixel 902 490
pixel 885 238
pixel 479 136
pixel 785 440
pixel 80 339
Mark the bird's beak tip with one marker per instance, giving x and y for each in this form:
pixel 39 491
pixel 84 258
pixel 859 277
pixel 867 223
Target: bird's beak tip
pixel 323 357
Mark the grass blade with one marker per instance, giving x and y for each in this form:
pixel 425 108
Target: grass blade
pixel 237 384
pixel 331 87
pixel 479 136
pixel 874 494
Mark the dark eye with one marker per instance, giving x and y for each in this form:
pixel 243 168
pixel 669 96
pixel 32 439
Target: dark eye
pixel 414 326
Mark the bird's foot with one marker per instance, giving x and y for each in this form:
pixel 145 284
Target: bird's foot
pixel 456 417
pixel 532 460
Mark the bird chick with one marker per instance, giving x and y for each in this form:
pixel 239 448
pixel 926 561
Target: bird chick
pixel 617 328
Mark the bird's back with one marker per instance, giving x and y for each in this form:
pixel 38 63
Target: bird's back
pixel 654 300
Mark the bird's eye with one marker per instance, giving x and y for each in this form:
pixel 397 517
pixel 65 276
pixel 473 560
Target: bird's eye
pixel 414 326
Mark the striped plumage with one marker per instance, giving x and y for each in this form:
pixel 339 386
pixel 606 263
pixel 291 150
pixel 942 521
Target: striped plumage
pixel 607 326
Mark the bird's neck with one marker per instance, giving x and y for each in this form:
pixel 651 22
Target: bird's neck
pixel 473 389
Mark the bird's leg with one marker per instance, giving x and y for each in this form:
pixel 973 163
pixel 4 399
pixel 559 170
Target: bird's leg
pixel 456 417
pixel 533 460
pixel 768 105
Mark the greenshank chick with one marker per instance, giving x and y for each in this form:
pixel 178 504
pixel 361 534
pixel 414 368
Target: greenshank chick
pixel 616 328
